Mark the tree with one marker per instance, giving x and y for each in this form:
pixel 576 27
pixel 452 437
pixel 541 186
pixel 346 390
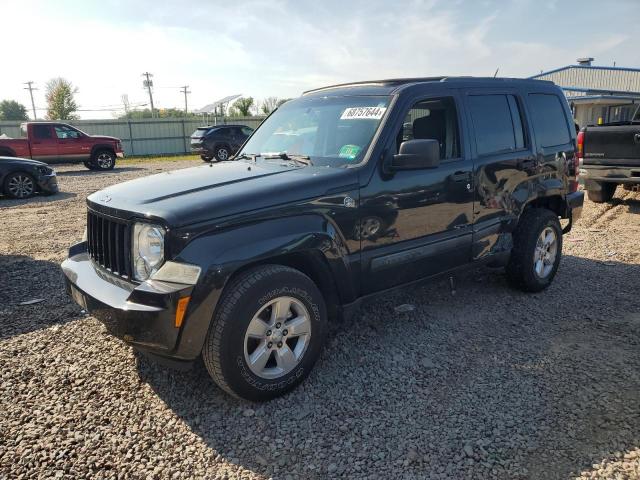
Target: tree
pixel 269 104
pixel 12 110
pixel 160 113
pixel 282 101
pixel 242 106
pixel 60 102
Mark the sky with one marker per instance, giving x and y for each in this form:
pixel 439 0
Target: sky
pixel 281 48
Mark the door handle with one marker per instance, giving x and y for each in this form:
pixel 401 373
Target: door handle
pixel 461 177
pixel 636 138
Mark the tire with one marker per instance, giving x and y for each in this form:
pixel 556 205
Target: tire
pixel 530 251
pixel 20 185
pixel 89 164
pixel 603 195
pixel 206 158
pixel 222 153
pixel 288 358
pixel 104 160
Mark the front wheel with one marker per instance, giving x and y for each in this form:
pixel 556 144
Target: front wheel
pixel 19 185
pixel 605 194
pixel 537 249
pixel 267 333
pixel 104 160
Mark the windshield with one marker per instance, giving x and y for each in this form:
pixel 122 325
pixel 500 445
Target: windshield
pixel 330 131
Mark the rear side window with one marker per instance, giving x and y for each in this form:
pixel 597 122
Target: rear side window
pixel 497 123
pixel 42 131
pixel 549 121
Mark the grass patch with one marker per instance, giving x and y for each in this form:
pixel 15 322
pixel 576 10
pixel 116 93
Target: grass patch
pixel 166 158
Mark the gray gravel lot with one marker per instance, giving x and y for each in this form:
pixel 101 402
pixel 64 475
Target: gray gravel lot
pixel 486 383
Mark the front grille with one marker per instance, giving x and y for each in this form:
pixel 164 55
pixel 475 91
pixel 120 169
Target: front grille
pixel 108 243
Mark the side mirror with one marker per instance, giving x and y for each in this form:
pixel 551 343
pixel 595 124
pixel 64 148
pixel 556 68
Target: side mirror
pixel 417 154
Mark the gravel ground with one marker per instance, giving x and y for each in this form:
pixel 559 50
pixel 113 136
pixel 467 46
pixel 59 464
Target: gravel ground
pixel 486 383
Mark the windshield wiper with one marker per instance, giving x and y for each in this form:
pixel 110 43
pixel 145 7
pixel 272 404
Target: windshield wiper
pixel 247 156
pixel 303 159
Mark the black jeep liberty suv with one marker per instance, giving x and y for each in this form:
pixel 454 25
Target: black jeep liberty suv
pixel 345 192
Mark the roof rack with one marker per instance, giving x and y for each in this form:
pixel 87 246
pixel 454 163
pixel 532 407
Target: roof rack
pixel 404 81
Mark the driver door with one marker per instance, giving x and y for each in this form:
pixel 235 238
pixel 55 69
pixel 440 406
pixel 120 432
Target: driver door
pixel 418 223
pixel 71 144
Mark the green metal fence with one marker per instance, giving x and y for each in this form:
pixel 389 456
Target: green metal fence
pixel 158 136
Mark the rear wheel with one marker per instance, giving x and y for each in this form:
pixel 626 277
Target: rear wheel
pixel 267 333
pixel 89 165
pixel 537 249
pixel 19 185
pixel 603 195
pixel 222 153
pixel 104 160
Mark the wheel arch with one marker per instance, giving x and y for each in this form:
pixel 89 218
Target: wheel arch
pixel 306 243
pixel 100 147
pixel 7 152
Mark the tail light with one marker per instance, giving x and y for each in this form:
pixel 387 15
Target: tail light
pixel 580 152
pixel 577 162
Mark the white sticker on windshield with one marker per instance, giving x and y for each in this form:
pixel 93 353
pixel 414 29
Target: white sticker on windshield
pixel 356 113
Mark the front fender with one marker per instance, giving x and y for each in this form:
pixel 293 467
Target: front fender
pixel 220 254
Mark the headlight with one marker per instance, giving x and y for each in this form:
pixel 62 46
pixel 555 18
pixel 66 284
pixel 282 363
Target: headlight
pixel 148 249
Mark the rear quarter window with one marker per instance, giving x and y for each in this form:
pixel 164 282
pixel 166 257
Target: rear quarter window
pixel 549 120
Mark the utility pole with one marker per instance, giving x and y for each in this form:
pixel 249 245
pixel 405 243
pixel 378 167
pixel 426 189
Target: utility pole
pixel 31 89
pixel 148 83
pixel 185 90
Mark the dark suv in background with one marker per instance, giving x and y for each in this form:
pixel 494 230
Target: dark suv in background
pixel 219 142
pixel 340 194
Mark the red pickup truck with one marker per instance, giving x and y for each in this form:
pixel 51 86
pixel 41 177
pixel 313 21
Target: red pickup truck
pixel 53 142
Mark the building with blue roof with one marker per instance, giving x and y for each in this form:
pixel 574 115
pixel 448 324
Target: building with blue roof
pixel 597 94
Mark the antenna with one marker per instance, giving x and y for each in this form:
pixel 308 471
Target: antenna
pixel 496 74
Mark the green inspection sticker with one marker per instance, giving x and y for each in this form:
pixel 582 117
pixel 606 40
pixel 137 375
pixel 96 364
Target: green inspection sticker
pixel 349 151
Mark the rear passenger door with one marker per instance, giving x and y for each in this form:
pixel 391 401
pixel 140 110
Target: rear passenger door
pixel 44 143
pixel 504 164
pixel 555 139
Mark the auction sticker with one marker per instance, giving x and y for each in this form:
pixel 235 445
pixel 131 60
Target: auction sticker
pixel 349 151
pixel 357 113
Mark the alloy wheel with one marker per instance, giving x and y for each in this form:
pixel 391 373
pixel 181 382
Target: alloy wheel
pixel 105 160
pixel 545 253
pixel 21 186
pixel 277 337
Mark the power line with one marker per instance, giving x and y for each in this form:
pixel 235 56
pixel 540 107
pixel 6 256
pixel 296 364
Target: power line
pixel 184 89
pixel 31 89
pixel 148 83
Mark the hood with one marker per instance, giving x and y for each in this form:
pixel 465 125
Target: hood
pixel 212 191
pixel 21 161
pixel 104 137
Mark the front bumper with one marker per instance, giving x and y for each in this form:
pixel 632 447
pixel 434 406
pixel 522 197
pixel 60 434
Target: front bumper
pixel 48 183
pixel 142 315
pixel 591 175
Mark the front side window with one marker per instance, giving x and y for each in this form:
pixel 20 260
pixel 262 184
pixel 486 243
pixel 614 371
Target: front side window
pixel 433 119
pixel 333 131
pixel 549 121
pixel 62 131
